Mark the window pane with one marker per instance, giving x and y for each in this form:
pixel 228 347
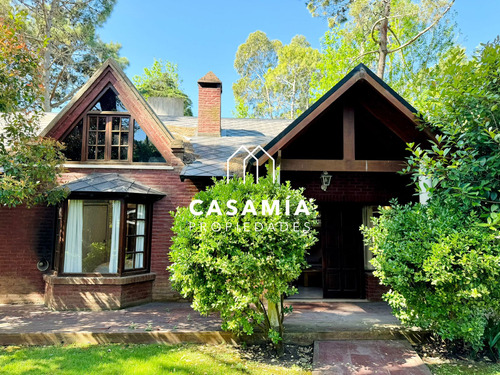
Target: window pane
pixel 139 244
pixel 109 101
pixel 131 228
pixel 123 153
pixel 91 154
pixel 101 138
pixel 92 138
pixel 131 211
pixel 130 245
pixel 92 234
pixel 125 123
pixel 102 123
pixel 115 139
pixel 97 107
pixel 129 261
pixel 124 139
pixel 141 211
pixel 139 260
pixel 93 123
pixel 114 153
pixel 73 143
pixel 116 123
pixel 100 152
pixel 144 150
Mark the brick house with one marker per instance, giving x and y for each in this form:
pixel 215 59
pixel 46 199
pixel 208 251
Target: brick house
pixel 130 163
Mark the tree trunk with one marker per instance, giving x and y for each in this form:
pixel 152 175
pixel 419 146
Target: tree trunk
pixel 382 48
pixel 48 17
pixel 274 312
pixel 47 107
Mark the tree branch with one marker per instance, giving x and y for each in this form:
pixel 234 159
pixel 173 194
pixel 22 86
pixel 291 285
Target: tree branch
pixel 393 33
pixel 423 31
pixel 67 97
pixel 59 76
pixel 365 53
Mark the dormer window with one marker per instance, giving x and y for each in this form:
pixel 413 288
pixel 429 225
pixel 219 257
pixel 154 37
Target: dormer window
pixel 108 138
pixel 109 133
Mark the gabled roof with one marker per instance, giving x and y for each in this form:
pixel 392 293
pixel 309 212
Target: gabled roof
pixel 109 183
pixel 358 74
pixel 111 74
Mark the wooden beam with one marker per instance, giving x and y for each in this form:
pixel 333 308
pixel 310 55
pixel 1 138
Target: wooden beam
pixel 342 165
pixel 292 133
pixel 348 124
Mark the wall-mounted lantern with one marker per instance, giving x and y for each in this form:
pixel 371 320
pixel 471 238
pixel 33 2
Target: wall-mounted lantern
pixel 325 180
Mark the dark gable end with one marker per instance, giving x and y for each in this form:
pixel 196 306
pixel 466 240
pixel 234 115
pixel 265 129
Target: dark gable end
pixel 384 96
pixel 111 74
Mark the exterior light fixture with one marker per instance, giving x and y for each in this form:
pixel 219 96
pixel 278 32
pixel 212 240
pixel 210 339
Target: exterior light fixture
pixel 325 180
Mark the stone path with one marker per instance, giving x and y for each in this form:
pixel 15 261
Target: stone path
pixel 172 316
pixel 177 322
pixel 356 357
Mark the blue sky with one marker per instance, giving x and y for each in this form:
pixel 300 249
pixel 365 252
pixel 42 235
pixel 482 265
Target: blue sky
pixel 203 35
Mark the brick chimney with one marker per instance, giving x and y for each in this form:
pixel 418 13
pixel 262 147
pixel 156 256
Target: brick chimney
pixel 209 105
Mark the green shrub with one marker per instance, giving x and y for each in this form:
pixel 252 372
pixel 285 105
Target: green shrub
pixel 442 267
pixel 243 274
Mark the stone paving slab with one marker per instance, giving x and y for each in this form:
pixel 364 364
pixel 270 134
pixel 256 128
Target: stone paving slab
pixel 306 317
pixel 177 322
pixel 384 357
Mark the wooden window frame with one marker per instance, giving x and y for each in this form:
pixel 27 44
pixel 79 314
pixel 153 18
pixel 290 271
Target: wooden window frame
pixel 109 132
pixel 148 220
pixel 60 247
pixel 84 116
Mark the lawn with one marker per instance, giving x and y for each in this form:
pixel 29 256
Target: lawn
pixel 133 359
pixel 465 368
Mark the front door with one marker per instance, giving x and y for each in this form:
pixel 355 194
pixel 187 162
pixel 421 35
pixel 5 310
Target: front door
pixel 342 248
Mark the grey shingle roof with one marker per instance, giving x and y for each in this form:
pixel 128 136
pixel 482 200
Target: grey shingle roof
pixel 109 183
pixel 212 152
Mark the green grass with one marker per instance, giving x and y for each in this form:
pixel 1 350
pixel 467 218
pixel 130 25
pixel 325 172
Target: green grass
pixel 465 368
pixel 132 359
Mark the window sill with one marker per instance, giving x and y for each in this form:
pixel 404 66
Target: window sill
pixel 98 280
pixel 143 166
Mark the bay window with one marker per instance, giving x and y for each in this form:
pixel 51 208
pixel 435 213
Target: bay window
pixel 105 237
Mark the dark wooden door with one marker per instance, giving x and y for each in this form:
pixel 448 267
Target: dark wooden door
pixel 342 247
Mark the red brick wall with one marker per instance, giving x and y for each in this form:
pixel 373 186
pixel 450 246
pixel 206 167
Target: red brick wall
pixel 373 288
pixel 359 187
pixel 178 194
pixel 26 235
pixel 96 297
pixel 209 109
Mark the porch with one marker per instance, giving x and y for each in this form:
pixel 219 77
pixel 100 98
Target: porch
pixel 176 322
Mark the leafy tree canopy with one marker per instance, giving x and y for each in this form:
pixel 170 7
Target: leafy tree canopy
pixel 462 104
pixel 65 31
pixel 397 36
pixel 162 80
pixel 29 165
pixel 274 78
